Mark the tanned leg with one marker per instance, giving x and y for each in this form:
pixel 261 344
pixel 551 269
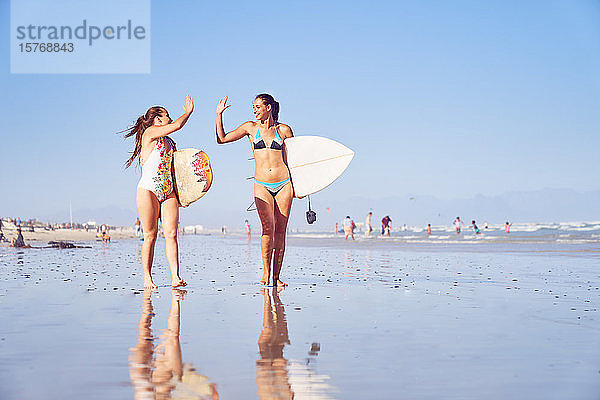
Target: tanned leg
pixel 283 204
pixel 264 205
pixel 148 209
pixel 170 220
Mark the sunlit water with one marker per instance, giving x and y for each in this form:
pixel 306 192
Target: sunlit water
pixel 358 321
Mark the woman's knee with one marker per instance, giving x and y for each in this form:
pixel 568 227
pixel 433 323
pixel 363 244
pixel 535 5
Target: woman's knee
pixel 268 229
pixel 150 234
pixel 170 234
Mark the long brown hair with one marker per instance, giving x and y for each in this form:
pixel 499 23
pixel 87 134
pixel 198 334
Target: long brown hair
pixel 138 129
pixel 269 100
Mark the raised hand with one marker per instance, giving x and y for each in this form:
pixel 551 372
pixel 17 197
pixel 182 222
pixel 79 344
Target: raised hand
pixel 222 106
pixel 189 105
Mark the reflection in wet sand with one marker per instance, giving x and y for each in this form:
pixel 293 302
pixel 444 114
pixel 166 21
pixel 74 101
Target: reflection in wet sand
pixel 159 372
pixel 271 369
pixel 276 377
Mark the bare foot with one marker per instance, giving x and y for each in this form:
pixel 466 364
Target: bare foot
pixel 280 288
pixel 179 283
pixel 178 293
pixel 279 283
pixel 148 283
pixel 264 280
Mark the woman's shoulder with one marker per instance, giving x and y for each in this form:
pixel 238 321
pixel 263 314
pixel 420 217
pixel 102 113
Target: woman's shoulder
pixel 250 128
pixel 147 137
pixel 284 130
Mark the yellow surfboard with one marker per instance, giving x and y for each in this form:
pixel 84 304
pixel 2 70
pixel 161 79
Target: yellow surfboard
pixel 193 175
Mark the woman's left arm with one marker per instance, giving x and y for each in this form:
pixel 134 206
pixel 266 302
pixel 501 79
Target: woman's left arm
pixel 286 132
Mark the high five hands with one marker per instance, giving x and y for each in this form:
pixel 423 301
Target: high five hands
pixel 222 106
pixel 189 105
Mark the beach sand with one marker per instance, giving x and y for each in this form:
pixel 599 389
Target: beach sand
pixel 41 235
pixel 357 321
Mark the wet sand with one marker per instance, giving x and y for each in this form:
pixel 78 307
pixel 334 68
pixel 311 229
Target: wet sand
pixel 357 321
pixel 42 235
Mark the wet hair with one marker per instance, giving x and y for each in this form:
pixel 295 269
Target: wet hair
pixel 143 122
pixel 270 101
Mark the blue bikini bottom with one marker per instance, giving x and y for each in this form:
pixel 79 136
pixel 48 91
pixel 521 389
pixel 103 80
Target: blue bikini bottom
pixel 274 187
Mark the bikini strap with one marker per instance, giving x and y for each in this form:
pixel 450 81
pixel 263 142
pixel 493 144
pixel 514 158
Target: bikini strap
pixel 277 135
pixel 257 137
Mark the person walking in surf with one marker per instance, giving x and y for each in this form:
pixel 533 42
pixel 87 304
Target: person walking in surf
pixel 349 228
pixel 368 226
pixel 273 191
pixel 156 197
pixel 457 225
pixel 248 229
pixel 386 226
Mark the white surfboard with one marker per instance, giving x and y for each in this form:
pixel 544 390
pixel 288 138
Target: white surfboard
pixel 315 162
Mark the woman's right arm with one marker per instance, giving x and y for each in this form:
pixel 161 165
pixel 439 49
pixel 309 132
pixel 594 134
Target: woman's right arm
pixel 235 134
pixel 154 132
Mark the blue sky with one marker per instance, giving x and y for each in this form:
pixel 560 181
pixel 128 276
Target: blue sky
pixel 446 99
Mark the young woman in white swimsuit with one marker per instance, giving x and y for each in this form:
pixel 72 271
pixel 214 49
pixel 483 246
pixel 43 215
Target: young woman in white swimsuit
pixel 155 191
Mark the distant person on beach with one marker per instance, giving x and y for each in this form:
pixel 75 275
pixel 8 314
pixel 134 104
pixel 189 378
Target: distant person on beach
pixel 457 224
pixel 368 226
pixel 156 198
pixel 223 230
pixel 428 229
pixel 273 192
pixel 485 225
pixel 507 227
pixel 475 228
pixel 105 237
pixel 248 229
pixel 18 241
pixel 386 225
pixel 349 228
pixel 138 227
pixel 335 231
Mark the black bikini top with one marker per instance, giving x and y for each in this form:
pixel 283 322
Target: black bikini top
pixel 276 144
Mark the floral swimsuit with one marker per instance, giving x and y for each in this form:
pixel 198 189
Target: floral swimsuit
pixel 156 170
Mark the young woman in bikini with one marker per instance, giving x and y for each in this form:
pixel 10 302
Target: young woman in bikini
pixel 273 191
pixel 155 191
